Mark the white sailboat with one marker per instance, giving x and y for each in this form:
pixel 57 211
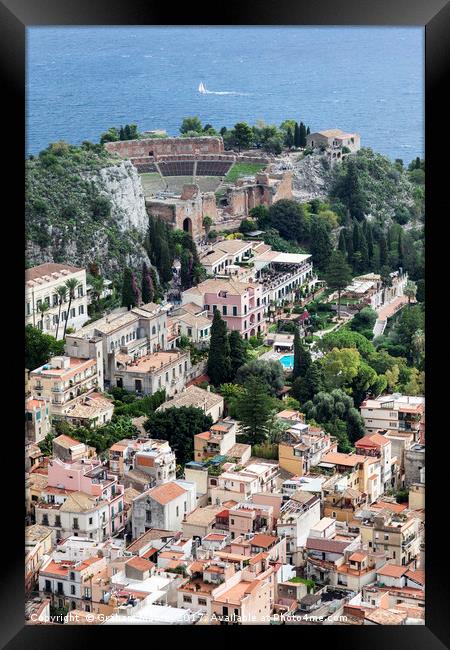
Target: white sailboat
pixel 201 88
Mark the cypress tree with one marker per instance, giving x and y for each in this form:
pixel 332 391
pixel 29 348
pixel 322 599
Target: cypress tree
pixel 186 269
pixel 302 130
pixel 338 275
pixel 342 246
pixel 320 246
pixel 147 285
pixel 369 237
pixel 128 298
pixel 308 131
pixel 400 249
pixel 356 237
pixel 238 354
pixel 302 357
pixel 364 252
pixel 121 134
pixel 296 135
pixel 219 364
pixel 165 264
pixel 383 250
pixel 289 140
pixel 127 132
pixel 136 291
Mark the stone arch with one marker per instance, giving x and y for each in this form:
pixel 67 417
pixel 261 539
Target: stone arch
pixel 187 225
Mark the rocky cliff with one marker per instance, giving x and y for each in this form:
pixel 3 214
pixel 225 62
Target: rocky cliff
pixel 84 206
pixel 312 177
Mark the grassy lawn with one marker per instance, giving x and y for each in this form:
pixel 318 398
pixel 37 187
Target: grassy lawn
pixel 151 183
pixel 242 169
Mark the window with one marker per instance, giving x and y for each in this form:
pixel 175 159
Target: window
pixel 80 292
pixel 28 308
pixel 202 601
pixel 206 307
pixel 58 521
pixel 185 506
pixel 138 385
pixel 81 310
pixel 55 319
pixel 178 511
pixel 234 311
pixel 72 312
pixel 55 299
pixel 48 585
pixel 224 310
pixel 75 523
pixel 187 599
pixel 72 590
pixel 90 521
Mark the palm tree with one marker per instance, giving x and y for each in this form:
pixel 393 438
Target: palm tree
pixel 62 295
pixel 410 290
pixel 42 308
pixel 71 285
pixel 98 284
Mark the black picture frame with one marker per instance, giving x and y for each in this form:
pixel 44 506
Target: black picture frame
pixel 15 16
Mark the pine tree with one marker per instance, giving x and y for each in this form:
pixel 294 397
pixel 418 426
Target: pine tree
pixel 253 411
pixel 338 275
pixel 219 363
pixel 302 130
pixel 296 135
pixel 128 298
pixel 238 354
pixel 147 285
pixel 302 357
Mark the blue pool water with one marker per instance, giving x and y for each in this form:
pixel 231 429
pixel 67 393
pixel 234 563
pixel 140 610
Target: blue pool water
pixel 287 361
pixel 82 80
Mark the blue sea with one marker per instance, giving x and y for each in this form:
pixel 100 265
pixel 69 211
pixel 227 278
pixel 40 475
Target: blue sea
pixel 82 80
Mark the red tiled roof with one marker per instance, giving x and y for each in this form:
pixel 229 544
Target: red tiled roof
pixel 165 493
pixel 140 563
pixel 264 541
pixel 392 570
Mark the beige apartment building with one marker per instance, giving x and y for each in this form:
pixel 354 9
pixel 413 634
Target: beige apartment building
pixel 41 284
pixel 64 381
pixel 397 534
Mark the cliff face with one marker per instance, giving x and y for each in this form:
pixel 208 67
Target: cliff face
pixel 121 185
pixel 312 178
pixel 84 207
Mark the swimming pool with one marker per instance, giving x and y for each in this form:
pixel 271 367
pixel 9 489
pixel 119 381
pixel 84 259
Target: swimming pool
pixel 287 361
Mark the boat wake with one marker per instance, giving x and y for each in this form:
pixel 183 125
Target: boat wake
pixel 205 91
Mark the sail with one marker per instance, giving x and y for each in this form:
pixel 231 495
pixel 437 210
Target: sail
pixel 201 88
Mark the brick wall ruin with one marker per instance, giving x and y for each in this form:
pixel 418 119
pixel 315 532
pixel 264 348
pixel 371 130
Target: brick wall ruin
pixel 155 147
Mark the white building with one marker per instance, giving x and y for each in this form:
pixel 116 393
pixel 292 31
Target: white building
pixel 41 284
pixel 393 412
pixel 164 507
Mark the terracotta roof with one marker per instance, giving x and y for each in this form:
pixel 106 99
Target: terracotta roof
pixel 264 541
pixel 66 441
pixel 387 505
pixel 338 458
pixel 416 575
pixel 166 493
pixel 48 268
pixel 78 502
pixel 392 570
pixel 140 563
pixel 372 440
pixel 357 556
pixel 149 553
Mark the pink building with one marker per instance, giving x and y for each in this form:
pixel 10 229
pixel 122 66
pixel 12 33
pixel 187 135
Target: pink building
pixel 81 498
pixel 240 303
